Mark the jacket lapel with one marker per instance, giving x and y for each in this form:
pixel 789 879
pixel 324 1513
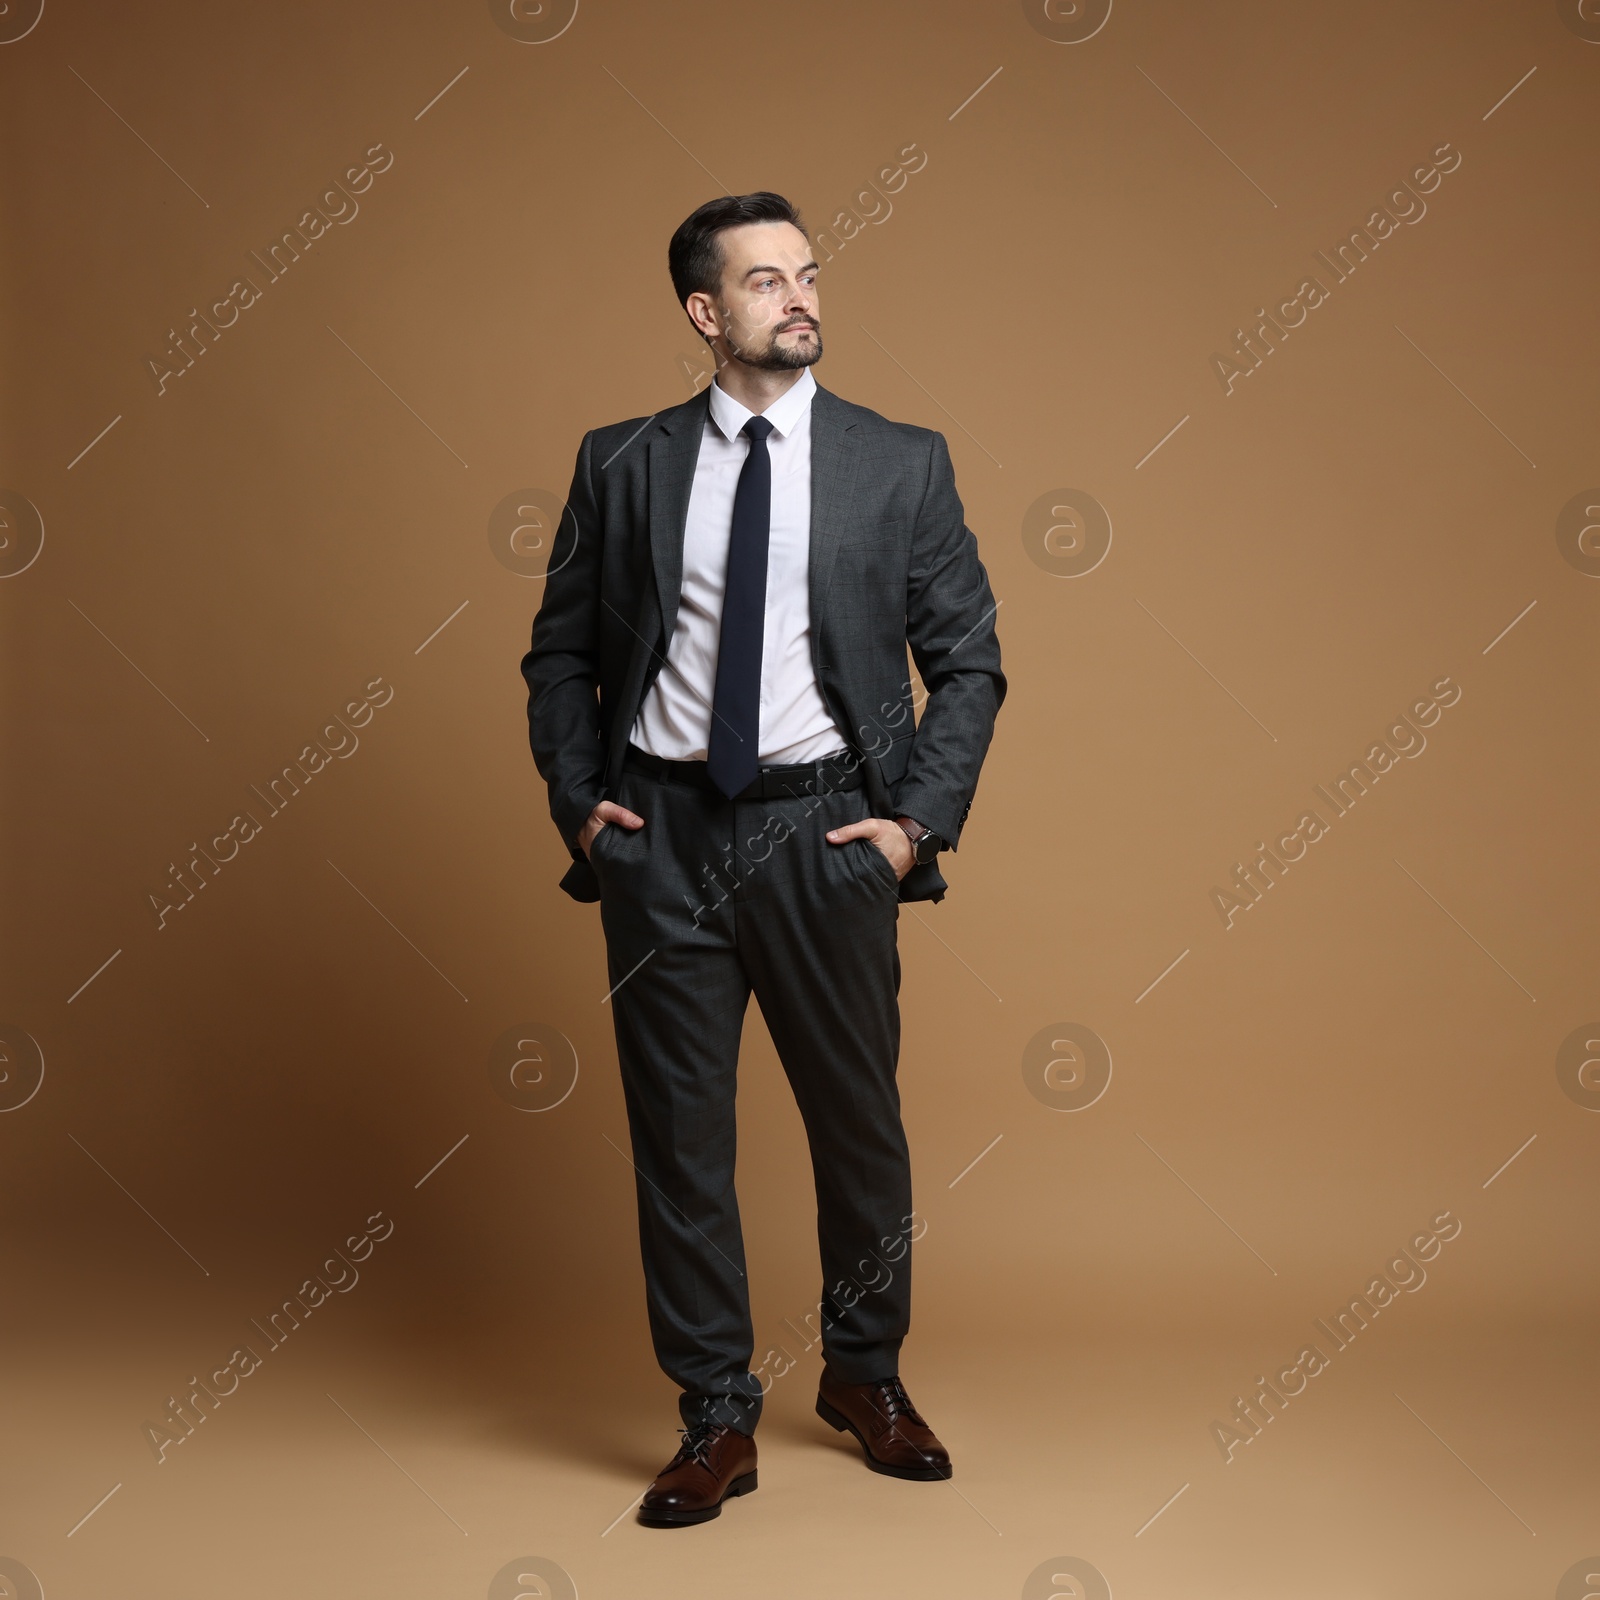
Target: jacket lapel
pixel 674 449
pixel 833 475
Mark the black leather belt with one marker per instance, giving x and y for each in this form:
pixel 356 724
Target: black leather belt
pixel 826 776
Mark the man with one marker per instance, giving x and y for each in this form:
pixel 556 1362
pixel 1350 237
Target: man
pixel 719 702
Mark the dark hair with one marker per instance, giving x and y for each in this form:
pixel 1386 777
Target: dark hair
pixel 694 258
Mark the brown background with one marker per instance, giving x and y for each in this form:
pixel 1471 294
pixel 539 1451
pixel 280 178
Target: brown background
pixel 1301 559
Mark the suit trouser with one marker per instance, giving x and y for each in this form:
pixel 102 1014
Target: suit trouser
pixel 713 899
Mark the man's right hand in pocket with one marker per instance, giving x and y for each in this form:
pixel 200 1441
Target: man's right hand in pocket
pixel 603 815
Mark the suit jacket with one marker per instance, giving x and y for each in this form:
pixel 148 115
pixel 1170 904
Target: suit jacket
pixel 892 563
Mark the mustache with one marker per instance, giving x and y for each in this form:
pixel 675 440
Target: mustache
pixel 803 322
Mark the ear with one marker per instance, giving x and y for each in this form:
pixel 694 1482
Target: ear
pixel 702 312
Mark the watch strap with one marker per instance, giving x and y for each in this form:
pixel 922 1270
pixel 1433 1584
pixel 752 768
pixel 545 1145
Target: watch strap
pixel 925 843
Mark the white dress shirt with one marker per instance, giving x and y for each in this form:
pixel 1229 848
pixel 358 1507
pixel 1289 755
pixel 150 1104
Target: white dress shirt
pixel 674 721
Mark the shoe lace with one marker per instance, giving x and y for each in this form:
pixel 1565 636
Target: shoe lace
pixel 697 1442
pixel 897 1403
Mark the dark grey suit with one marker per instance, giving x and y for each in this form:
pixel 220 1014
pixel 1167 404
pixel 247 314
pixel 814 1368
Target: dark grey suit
pixel 808 927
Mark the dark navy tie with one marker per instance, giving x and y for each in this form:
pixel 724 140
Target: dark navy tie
pixel 734 746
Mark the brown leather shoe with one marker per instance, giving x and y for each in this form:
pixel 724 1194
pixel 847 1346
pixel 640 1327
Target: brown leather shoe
pixel 713 1463
pixel 892 1435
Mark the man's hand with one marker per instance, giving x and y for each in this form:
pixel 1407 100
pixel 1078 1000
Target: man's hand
pixel 888 836
pixel 608 811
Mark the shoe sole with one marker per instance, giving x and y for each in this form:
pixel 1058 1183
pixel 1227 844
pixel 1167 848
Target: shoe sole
pixel 838 1421
pixel 687 1519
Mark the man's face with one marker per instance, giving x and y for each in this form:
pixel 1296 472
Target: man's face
pixel 765 314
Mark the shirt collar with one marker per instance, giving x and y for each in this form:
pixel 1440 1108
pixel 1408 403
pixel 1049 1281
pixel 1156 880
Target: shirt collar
pixel 730 416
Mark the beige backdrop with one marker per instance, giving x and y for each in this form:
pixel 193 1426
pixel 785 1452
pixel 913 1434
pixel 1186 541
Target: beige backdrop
pixel 1157 1131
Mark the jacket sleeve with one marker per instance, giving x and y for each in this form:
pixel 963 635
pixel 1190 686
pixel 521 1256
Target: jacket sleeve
pixel 950 616
pixel 562 666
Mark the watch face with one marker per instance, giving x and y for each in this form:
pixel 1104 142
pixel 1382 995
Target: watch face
pixel 926 848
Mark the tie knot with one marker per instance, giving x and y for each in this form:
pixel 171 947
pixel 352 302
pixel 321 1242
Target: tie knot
pixel 757 428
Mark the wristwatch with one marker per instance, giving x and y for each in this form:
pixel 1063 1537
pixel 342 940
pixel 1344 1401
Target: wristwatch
pixel 925 843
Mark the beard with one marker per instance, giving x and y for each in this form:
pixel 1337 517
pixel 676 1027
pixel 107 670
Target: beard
pixel 774 357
